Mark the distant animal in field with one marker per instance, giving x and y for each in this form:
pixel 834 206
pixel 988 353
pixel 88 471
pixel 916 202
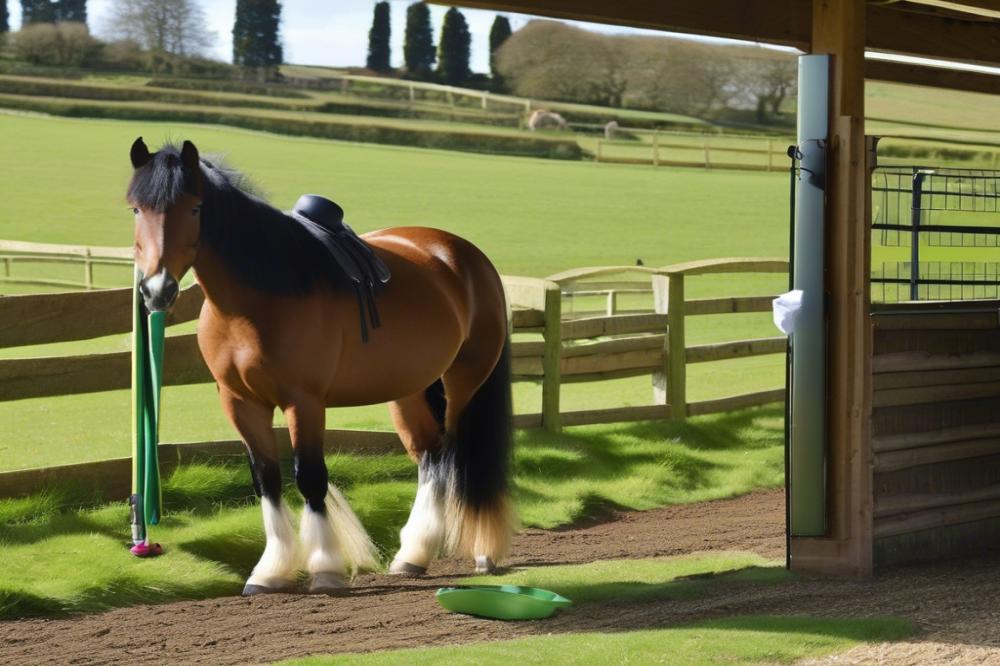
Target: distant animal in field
pixel 545 119
pixel 300 314
pixel 639 262
pixel 611 130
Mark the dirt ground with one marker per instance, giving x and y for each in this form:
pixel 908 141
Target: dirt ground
pixel 953 604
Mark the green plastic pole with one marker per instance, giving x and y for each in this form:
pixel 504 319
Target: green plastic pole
pixel 807 445
pixel 147 377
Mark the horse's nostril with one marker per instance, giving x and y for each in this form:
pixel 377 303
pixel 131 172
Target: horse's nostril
pixel 170 290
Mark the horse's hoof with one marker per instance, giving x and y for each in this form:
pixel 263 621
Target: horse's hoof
pixel 484 565
pixel 329 583
pixel 250 590
pixel 403 568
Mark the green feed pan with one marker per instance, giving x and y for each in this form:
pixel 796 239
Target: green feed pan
pixel 502 602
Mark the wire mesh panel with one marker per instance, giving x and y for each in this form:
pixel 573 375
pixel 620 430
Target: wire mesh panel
pixel 920 208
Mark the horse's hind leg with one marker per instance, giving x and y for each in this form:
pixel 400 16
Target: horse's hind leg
pixel 333 539
pixel 276 569
pixel 419 420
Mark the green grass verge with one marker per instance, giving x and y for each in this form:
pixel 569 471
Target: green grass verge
pixel 684 577
pixel 752 639
pixel 60 558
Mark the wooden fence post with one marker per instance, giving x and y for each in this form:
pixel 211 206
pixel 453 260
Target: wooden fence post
pixel 770 155
pixel 656 148
pixel 412 94
pixel 552 358
pixel 670 384
pixel 88 270
pixel 707 161
pixel 6 267
pixel 612 303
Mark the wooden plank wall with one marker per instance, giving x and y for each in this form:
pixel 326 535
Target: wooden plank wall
pixel 936 427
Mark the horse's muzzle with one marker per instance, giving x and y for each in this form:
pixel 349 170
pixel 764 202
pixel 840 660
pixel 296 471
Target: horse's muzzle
pixel 159 291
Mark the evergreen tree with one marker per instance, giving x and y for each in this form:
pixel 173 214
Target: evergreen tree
pixel 71 10
pixel 4 17
pixel 255 34
pixel 499 32
pixel 418 44
pixel 37 11
pixel 453 51
pixel 378 39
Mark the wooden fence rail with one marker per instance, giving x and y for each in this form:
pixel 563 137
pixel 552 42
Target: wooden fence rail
pixel 21 252
pixel 565 348
pixel 661 151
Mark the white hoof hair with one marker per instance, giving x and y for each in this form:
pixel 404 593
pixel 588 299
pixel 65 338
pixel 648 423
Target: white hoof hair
pixel 280 560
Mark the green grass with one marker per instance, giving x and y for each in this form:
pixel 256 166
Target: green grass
pixel 752 639
pixel 684 577
pixel 61 558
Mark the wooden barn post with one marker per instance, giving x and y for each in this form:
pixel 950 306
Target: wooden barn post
pixel 839 29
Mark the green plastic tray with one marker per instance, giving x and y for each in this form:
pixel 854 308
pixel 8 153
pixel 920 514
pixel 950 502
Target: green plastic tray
pixel 502 602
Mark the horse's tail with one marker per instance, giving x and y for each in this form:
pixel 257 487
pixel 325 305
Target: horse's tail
pixel 474 464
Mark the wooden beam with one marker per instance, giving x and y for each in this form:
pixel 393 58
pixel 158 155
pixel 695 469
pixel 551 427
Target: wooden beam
pixel 784 22
pixel 899 28
pixel 933 77
pixel 970 40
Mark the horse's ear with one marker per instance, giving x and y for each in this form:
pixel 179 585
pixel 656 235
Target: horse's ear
pixel 139 153
pixel 189 156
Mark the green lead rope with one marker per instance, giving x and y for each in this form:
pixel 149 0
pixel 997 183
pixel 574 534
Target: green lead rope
pixel 147 378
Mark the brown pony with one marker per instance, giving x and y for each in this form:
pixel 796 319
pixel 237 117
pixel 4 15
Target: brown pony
pixel 279 329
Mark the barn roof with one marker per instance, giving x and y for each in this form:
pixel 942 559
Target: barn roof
pixel 966 31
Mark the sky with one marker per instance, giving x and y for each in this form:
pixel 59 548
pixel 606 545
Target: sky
pixel 331 32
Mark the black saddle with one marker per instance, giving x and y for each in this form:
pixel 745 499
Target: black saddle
pixel 324 220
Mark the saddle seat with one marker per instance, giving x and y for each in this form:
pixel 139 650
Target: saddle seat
pixel 324 220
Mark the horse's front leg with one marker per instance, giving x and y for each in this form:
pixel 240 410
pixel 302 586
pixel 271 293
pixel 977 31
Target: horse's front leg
pixel 278 565
pixel 334 542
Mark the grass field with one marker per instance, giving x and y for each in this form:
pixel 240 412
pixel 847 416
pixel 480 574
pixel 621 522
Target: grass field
pixel 533 217
pixel 753 639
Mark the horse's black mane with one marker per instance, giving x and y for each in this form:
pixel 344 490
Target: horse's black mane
pixel 265 248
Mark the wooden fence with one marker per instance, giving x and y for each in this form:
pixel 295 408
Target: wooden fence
pixel 551 346
pixel 13 253
pixel 663 145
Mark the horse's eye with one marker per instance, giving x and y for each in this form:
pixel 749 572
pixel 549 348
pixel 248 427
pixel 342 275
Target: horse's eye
pixel 135 211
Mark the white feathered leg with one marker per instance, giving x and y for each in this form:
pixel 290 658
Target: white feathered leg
pixel 335 544
pixel 422 537
pixel 277 566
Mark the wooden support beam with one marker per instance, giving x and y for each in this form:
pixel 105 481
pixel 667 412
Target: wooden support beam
pixel 894 28
pixel 934 77
pixel 783 22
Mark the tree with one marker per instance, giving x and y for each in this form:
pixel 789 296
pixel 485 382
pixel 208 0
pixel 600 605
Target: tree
pixel 418 42
pixel 4 17
pixel 66 44
pixel 256 42
pixel 499 33
pixel 454 49
pixel 175 27
pixel 71 11
pixel 378 39
pixel 37 11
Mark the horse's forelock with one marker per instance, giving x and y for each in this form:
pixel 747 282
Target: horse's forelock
pixel 162 181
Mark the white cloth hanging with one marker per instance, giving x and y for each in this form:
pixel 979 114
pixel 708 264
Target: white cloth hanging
pixel 785 309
